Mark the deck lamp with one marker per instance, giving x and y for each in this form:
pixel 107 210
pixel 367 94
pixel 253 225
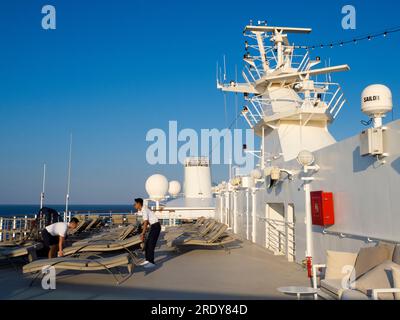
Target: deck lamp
pixel 306 159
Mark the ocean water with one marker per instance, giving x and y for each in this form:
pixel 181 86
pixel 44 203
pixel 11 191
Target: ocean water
pixel 18 210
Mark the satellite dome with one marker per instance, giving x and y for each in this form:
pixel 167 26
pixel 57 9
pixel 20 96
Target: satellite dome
pixel 174 188
pixel 376 100
pixel 157 186
pixel 256 174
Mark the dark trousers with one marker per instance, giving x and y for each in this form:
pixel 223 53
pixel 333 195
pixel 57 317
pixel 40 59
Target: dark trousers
pixel 151 241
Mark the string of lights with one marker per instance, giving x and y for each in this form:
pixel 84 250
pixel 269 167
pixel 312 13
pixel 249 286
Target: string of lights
pixel 354 40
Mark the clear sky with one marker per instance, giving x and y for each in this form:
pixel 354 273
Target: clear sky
pixel 112 70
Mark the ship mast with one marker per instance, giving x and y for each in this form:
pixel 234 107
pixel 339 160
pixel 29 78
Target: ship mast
pixel 281 94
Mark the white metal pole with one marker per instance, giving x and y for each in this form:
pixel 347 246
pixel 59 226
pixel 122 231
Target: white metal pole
pixel 377 122
pixel 221 207
pixel 262 150
pixel 69 177
pixel 247 213
pixel 235 211
pixel 308 220
pixel 254 214
pixel 1 229
pixel 227 207
pixel 14 226
pixel 43 186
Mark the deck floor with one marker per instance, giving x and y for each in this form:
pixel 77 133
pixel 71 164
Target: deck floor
pixel 247 272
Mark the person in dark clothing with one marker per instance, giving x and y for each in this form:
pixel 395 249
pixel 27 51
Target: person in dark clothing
pixel 150 221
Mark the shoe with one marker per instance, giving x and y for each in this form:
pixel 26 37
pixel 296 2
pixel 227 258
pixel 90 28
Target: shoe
pixel 143 263
pixel 149 265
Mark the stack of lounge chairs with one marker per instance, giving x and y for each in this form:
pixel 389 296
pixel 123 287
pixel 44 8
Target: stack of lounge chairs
pixel 204 233
pixel 120 219
pixel 86 226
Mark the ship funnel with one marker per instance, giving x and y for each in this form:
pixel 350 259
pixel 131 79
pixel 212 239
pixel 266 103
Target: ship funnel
pixel 197 178
pixel 376 101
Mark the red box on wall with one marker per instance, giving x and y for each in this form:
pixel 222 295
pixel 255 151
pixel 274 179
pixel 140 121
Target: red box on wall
pixel 322 211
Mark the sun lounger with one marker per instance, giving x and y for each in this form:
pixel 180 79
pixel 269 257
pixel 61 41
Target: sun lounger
pixel 117 219
pixel 110 235
pixel 104 246
pixel 216 237
pixel 200 221
pixel 80 227
pixel 223 240
pixel 71 263
pixel 92 224
pixel 27 249
pixel 200 230
pixel 131 219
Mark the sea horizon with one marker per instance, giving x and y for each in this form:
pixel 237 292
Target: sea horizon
pixel 30 209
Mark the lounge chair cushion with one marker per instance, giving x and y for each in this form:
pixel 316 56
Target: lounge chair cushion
pixel 396 279
pixel 335 261
pixel 368 258
pixel 379 277
pixel 103 246
pixel 396 254
pixel 333 286
pixel 69 263
pixel 349 294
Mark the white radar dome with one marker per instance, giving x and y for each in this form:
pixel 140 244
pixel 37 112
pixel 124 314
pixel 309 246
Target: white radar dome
pixel 376 100
pixel 157 186
pixel 174 188
pixel 256 174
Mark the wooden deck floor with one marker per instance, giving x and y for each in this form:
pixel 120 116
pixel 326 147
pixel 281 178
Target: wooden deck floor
pixel 247 272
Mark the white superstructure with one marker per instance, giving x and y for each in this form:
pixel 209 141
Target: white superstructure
pixel 290 102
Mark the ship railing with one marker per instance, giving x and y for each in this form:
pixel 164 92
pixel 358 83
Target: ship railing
pixel 336 101
pixel 197 162
pixel 280 237
pixel 259 107
pixel 297 60
pixel 356 236
pixel 15 228
pixel 325 94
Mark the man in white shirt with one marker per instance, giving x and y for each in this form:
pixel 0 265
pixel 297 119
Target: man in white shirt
pixel 150 220
pixel 54 234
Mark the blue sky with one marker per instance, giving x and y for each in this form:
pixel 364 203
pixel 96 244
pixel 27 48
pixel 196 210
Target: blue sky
pixel 112 70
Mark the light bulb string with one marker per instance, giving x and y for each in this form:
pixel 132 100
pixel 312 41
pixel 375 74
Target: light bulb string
pixel 353 40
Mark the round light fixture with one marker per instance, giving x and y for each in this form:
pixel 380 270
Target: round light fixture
pixel 305 158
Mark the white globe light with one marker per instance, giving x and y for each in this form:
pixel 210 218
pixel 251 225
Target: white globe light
pixel 157 186
pixel 174 188
pixel 305 158
pixel 256 174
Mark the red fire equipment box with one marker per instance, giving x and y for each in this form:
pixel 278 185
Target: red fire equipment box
pixel 322 211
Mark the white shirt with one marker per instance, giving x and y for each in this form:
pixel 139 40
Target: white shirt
pixel 58 229
pixel 148 215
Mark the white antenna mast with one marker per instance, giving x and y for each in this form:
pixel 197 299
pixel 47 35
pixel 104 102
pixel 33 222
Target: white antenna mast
pixel 224 68
pixel 69 178
pixel 43 186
